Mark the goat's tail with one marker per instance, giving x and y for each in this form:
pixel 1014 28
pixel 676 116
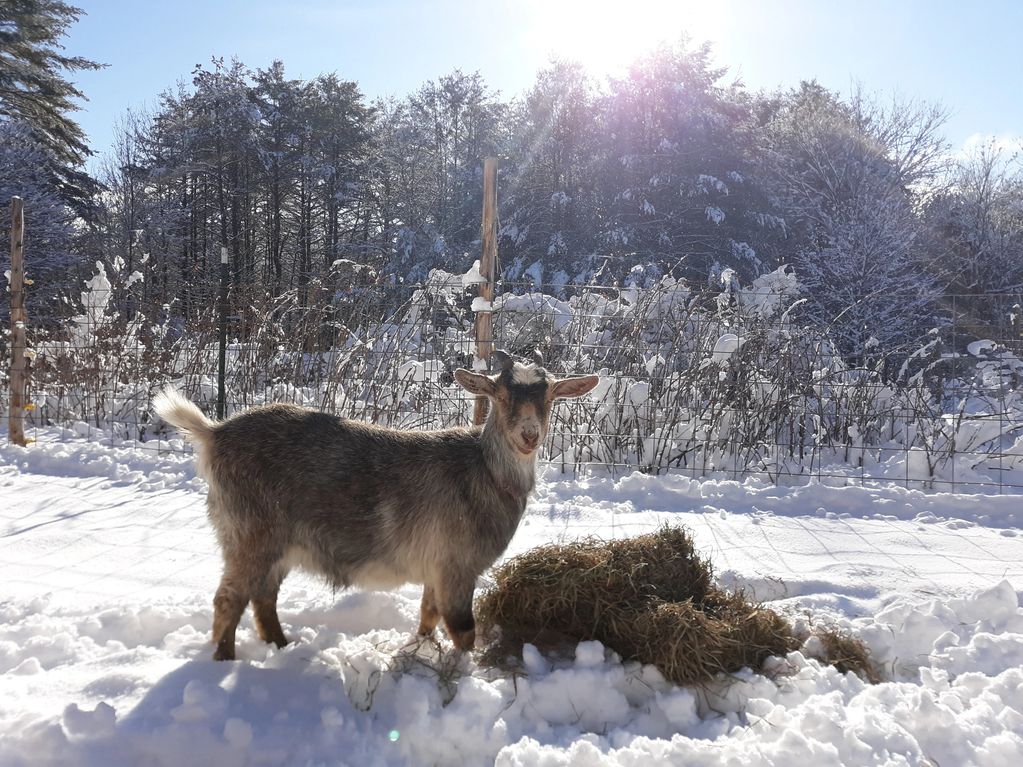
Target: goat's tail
pixel 182 414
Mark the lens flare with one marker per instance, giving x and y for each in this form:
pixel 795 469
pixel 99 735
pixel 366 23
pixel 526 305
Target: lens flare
pixel 605 37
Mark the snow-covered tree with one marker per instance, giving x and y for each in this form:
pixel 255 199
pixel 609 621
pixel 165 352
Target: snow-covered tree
pixel 979 220
pixel 677 182
pixel 549 206
pixel 35 92
pixel 49 221
pixel 428 174
pixel 340 122
pixel 845 174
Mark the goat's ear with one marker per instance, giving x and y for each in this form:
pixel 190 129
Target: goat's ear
pixel 475 383
pixel 567 388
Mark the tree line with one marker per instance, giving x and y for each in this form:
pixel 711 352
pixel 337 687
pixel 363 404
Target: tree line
pixel 670 170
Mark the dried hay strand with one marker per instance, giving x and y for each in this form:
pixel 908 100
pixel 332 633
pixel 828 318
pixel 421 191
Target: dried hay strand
pixel 576 588
pixel 648 598
pixel 847 654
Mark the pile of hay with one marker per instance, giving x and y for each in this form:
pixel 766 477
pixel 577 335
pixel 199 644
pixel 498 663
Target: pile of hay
pixel 649 598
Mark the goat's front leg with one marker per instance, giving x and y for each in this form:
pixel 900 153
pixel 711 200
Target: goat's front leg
pixel 429 614
pixel 455 602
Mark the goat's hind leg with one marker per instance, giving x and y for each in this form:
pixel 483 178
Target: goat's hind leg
pixel 235 588
pixel 264 610
pixel 228 606
pixel 246 577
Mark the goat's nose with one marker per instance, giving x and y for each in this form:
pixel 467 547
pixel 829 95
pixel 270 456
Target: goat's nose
pixel 531 438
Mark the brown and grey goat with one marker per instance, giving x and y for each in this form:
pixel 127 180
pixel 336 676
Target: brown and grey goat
pixel 368 506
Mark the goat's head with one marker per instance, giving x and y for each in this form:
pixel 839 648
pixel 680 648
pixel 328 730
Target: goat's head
pixel 521 395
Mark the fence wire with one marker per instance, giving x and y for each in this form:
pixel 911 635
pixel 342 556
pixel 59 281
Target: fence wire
pixel 706 382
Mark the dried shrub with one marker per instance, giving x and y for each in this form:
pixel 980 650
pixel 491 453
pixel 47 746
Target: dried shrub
pixel 648 598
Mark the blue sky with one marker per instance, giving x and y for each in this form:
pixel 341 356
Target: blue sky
pixel 965 56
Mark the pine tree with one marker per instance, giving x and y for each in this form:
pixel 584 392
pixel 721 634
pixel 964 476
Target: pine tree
pixel 280 103
pixel 50 221
pixel 551 205
pixel 35 92
pixel 678 181
pixel 340 128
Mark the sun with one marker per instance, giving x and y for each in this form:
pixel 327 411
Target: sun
pixel 605 36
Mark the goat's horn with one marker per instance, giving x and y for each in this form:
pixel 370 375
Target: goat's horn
pixel 503 359
pixel 537 358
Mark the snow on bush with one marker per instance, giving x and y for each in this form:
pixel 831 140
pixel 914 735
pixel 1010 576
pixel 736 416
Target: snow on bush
pixel 722 380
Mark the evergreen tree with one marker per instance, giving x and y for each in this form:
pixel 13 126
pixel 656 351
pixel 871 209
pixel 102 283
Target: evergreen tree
pixel 456 120
pixel 678 182
pixel 550 187
pixel 23 164
pixel 340 123
pixel 35 92
pixel 279 130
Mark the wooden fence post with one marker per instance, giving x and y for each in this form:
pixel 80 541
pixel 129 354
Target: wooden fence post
pixel 488 265
pixel 19 318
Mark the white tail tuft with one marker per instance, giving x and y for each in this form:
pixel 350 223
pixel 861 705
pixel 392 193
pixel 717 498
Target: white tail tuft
pixel 182 414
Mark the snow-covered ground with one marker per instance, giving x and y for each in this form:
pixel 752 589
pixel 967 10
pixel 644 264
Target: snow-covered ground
pixel 108 571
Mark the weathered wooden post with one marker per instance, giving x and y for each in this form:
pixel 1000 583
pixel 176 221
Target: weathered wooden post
pixel 488 265
pixel 19 318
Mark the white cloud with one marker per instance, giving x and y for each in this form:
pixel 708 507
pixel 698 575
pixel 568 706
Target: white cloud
pixel 1007 144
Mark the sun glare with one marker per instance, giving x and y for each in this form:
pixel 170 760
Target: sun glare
pixel 606 35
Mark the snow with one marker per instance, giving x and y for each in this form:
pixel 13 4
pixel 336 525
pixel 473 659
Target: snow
pixel 109 568
pixel 535 273
pixel 726 345
pixel 638 393
pixel 95 301
pixel 981 348
pixel 473 276
pixel 559 281
pixel 770 293
pixel 420 372
pixel 706 183
pixel 529 305
pixel 560 199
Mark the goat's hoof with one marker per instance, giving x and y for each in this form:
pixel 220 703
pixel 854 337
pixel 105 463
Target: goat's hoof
pixel 464 641
pixel 223 653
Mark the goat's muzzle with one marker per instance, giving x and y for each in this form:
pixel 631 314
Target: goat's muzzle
pixel 529 441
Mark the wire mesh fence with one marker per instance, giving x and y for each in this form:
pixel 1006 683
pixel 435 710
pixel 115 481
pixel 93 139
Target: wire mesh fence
pixel 706 382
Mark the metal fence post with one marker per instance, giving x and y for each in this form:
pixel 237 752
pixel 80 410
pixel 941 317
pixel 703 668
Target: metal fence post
pixel 222 352
pixel 19 317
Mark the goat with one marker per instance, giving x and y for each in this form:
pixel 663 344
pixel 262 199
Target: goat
pixel 365 505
